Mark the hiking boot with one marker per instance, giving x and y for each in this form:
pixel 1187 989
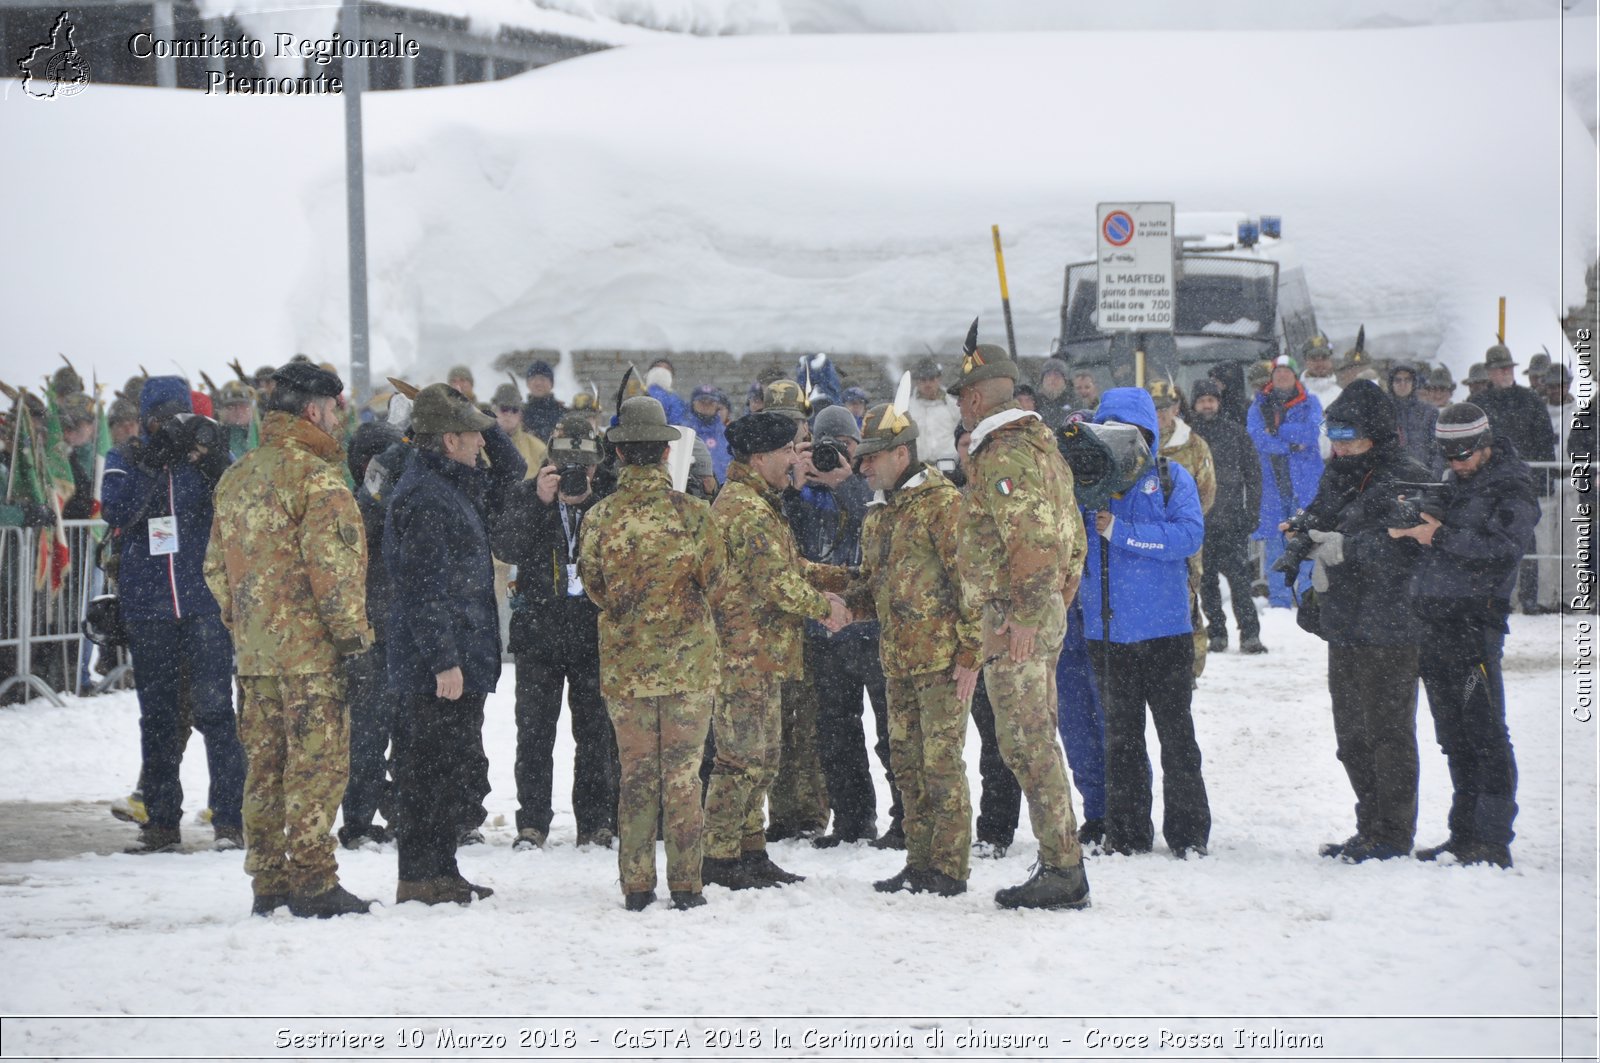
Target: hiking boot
pixel 1115 846
pixel 1335 849
pixel 906 878
pixel 157 840
pixel 602 837
pixel 1050 887
pixel 893 838
pixel 683 900
pixel 940 884
pixel 639 900
pixel 432 891
pixel 730 873
pixel 228 839
pixel 1252 644
pixel 1218 643
pixel 327 904
pixel 1092 832
pixel 1183 852
pixel 369 836
pixel 267 903
pixel 761 866
pixel 469 836
pixel 1452 845
pixel 482 893
pixel 1359 850
pixel 1485 853
pixel 131 809
pixel 528 838
pixel 987 850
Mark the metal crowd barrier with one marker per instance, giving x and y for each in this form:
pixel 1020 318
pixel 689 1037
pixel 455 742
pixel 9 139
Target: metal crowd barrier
pixel 32 619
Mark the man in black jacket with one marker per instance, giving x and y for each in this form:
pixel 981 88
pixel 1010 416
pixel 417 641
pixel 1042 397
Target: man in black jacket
pixel 444 633
pixel 1462 595
pixel 555 634
pixel 1361 576
pixel 1518 415
pixel 1234 515
pixel 543 411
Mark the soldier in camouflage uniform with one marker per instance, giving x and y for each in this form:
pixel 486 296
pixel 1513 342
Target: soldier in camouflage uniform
pixel 648 558
pixel 1180 444
pixel 767 590
pixel 287 564
pixel 1020 557
pixel 929 648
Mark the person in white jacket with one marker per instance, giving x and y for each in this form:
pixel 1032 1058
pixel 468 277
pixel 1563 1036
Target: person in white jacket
pixel 936 415
pixel 1318 379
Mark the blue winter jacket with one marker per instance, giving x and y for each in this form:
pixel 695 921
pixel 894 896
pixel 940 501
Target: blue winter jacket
pixel 714 434
pixel 164 586
pixel 442 609
pixel 1287 436
pixel 677 410
pixel 1150 543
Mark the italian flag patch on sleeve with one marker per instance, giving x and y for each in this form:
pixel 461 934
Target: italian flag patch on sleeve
pixel 1003 485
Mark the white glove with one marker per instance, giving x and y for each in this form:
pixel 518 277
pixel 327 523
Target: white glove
pixel 1330 547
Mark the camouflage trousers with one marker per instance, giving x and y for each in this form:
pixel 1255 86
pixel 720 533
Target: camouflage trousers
pixel 1197 619
pixel 927 732
pixel 296 734
pixel 798 799
pixel 1024 700
pixel 660 741
pixel 746 721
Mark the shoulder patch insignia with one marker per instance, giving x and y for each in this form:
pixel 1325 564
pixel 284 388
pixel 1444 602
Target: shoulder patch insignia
pixel 1003 485
pixel 1149 487
pixel 349 533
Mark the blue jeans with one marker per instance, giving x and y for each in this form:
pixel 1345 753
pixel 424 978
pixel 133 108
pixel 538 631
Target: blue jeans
pixel 1079 718
pixel 172 660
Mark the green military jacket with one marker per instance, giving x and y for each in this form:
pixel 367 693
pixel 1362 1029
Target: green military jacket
pixel 908 577
pixel 287 559
pixel 769 588
pixel 1022 536
pixel 1185 447
pixel 649 557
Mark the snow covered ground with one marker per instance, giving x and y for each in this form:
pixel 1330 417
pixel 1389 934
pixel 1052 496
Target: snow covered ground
pixel 1263 927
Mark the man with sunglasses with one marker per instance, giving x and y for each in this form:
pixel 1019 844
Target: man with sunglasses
pixel 1462 595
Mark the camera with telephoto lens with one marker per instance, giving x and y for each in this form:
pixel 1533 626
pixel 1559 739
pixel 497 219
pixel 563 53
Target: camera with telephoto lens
pixel 827 456
pixel 1297 546
pixel 1416 500
pixel 182 434
pixel 574 479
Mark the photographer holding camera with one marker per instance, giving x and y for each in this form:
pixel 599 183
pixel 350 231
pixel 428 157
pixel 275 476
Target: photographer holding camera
pixel 157 493
pixel 1361 575
pixel 1462 594
pixel 555 636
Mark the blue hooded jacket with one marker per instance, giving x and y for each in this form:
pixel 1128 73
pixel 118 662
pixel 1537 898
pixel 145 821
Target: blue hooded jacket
pixel 1150 543
pixel 165 586
pixel 1288 438
pixel 714 434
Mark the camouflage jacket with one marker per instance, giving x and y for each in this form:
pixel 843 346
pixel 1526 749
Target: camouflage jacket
pixel 769 589
pixel 1022 535
pixel 648 557
pixel 908 578
pixel 1184 446
pixel 288 556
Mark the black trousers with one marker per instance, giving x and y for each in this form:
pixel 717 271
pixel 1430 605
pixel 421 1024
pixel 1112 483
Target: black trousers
pixel 1460 666
pixel 843 668
pixel 372 710
pixel 441 777
pixel 1226 554
pixel 567 653
pixel 1000 799
pixel 1157 673
pixel 1374 692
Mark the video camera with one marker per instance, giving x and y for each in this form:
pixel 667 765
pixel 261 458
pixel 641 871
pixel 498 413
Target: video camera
pixel 1106 459
pixel 180 435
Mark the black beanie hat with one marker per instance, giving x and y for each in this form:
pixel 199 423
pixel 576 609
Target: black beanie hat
pixel 1364 405
pixel 760 433
pixel 1203 387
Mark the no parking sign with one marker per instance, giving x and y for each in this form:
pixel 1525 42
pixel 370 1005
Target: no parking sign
pixel 1135 293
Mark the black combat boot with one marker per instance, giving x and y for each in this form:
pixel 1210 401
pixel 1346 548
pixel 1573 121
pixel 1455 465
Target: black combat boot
pixel 1360 849
pixel 157 840
pixel 432 891
pixel 1050 887
pixel 893 838
pixel 267 903
pixel 327 904
pixel 761 866
pixel 1218 643
pixel 907 878
pixel 1336 849
pixel 846 833
pixel 639 900
pixel 482 893
pixel 1485 853
pixel 940 884
pixel 1093 832
pixel 1452 845
pixel 1253 644
pixel 730 873
pixel 683 900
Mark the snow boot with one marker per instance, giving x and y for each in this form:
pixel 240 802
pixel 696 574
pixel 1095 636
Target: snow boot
pixel 432 891
pixel 1360 849
pixel 984 849
pixel 602 837
pixel 1452 845
pixel 1332 850
pixel 1252 644
pixel 131 809
pixel 1485 853
pixel 761 866
pixel 683 900
pixel 893 838
pixel 469 836
pixel 529 838
pixel 267 903
pixel 228 839
pixel 904 879
pixel 941 884
pixel 157 840
pixel 639 900
pixel 730 873
pixel 1093 832
pixel 1050 887
pixel 1217 643
pixel 846 833
pixel 327 904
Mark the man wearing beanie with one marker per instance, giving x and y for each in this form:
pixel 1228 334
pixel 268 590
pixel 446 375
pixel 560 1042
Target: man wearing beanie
pixel 1462 593
pixel 542 412
pixel 1361 576
pixel 766 591
pixel 1233 516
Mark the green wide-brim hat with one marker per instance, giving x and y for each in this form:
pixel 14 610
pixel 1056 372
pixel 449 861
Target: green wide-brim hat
pixel 440 408
pixel 987 362
pixel 884 428
pixel 1498 357
pixel 641 420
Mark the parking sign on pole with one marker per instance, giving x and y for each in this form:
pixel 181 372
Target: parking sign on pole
pixel 1135 253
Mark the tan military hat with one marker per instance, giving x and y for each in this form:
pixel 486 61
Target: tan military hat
pixel 1163 392
pixel 1258 374
pixel 1441 379
pixel 585 401
pixel 1316 347
pixel 460 372
pixel 575 440
pixel 1355 359
pixel 1478 373
pixel 641 420
pixel 236 393
pixel 987 361
pixel 787 398
pixel 75 408
pixel 440 408
pixel 884 428
pixel 1498 357
pixel 506 395
pixel 1538 366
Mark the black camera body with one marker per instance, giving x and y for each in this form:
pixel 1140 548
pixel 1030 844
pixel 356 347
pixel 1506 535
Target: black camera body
pixel 574 479
pixel 827 456
pixel 1408 508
